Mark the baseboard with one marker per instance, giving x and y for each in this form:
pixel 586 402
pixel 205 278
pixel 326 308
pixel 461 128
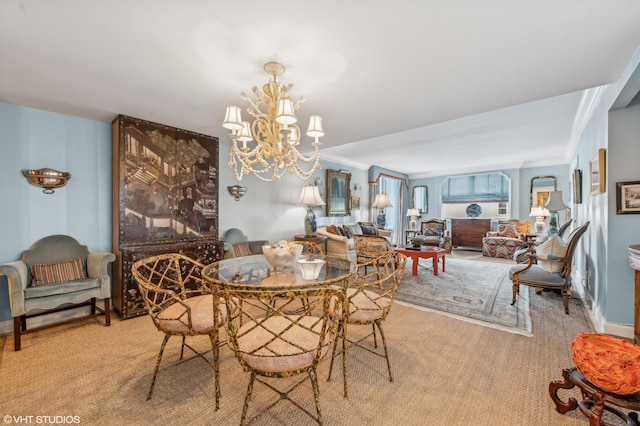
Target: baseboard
pixel 600 325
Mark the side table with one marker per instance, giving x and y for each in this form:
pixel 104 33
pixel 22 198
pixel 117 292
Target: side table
pixel 410 233
pixel 594 400
pixel 320 240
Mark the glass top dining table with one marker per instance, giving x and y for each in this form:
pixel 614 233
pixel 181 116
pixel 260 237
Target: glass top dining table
pixel 256 271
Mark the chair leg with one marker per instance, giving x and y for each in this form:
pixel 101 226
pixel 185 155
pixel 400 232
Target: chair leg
pixel 565 300
pixel 93 306
pixel 155 373
pixel 107 312
pixel 216 367
pixel 247 398
pixel 316 393
pixel 184 339
pixel 17 329
pixel 384 345
pixel 515 290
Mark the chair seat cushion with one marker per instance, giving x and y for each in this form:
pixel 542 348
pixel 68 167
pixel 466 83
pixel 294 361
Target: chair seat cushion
pixel 537 274
pixel 60 288
pixel 174 318
pixel 366 306
pixel 280 344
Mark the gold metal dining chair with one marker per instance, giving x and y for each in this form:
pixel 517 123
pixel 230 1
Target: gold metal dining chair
pixel 368 300
pixel 271 342
pixel 180 303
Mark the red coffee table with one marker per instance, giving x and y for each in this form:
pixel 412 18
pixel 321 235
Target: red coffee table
pixel 426 252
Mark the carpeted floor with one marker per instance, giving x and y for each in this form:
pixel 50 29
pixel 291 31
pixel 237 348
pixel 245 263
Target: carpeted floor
pixel 446 372
pixel 470 289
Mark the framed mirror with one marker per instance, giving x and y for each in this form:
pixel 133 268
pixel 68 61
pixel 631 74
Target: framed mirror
pixel 421 199
pixel 541 186
pixel 338 193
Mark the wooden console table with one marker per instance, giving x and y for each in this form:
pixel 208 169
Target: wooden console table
pixel 469 232
pixel 595 400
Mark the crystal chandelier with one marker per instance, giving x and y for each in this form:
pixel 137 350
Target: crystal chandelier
pixel 275 130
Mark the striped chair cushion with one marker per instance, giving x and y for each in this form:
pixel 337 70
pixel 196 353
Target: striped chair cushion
pixel 50 273
pixel 242 249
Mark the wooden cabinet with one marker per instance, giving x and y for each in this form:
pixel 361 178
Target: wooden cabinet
pixel 165 199
pixel 469 232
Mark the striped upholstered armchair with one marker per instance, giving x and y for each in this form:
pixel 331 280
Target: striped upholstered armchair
pixel 507 239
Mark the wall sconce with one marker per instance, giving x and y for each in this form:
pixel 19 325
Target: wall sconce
pixel 237 191
pixel 46 178
pixel 357 187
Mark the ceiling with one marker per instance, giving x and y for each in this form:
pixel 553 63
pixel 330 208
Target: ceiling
pixel 422 87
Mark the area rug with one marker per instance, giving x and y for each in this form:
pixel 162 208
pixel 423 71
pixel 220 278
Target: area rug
pixel 469 290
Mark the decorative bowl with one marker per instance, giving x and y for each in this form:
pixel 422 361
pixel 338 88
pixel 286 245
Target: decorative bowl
pixel 282 253
pixel 417 241
pixel 609 363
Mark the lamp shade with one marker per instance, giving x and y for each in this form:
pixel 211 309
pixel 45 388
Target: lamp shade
pixel 310 196
pixel 233 118
pixel 315 126
pixel 413 212
pixel 245 132
pixel 286 113
pixel 382 201
pixel 539 211
pixel 555 202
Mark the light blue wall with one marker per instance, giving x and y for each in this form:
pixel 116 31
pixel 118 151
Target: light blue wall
pixel 520 188
pixel 33 139
pixel 623 230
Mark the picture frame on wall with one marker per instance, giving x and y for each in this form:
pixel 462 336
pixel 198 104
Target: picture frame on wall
pixel 628 197
pixel 597 173
pixel 355 203
pixel 576 186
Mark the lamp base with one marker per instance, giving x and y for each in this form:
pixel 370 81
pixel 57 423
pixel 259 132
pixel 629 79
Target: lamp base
pixel 382 219
pixel 553 224
pixel 310 224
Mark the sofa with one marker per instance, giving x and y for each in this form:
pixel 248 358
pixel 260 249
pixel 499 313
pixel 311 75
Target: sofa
pixel 340 240
pixel 57 273
pixel 509 237
pixel 237 244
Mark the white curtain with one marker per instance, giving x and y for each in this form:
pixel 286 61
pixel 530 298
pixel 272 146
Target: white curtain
pixel 395 219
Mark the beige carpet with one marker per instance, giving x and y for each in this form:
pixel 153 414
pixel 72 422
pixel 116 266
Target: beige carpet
pixel 446 371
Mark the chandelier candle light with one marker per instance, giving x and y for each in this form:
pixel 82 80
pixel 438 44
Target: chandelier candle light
pixel 310 197
pixel 275 130
pixel 381 202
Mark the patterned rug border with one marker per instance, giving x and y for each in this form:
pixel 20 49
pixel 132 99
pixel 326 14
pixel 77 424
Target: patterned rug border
pixel 523 303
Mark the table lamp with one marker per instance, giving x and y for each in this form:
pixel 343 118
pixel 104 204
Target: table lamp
pixel 414 213
pixel 381 202
pixel 540 213
pixel 310 197
pixel 554 204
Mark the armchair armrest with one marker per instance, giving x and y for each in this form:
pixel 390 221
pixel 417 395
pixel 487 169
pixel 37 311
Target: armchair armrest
pixel 387 233
pixel 256 246
pixel 17 275
pixel 97 268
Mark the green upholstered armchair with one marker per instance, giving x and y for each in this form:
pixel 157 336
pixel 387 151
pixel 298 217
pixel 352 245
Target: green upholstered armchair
pixel 237 244
pixel 57 270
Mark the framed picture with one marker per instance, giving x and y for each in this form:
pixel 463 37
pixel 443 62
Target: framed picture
pixel 628 197
pixel 576 186
pixel 355 203
pixel 597 173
